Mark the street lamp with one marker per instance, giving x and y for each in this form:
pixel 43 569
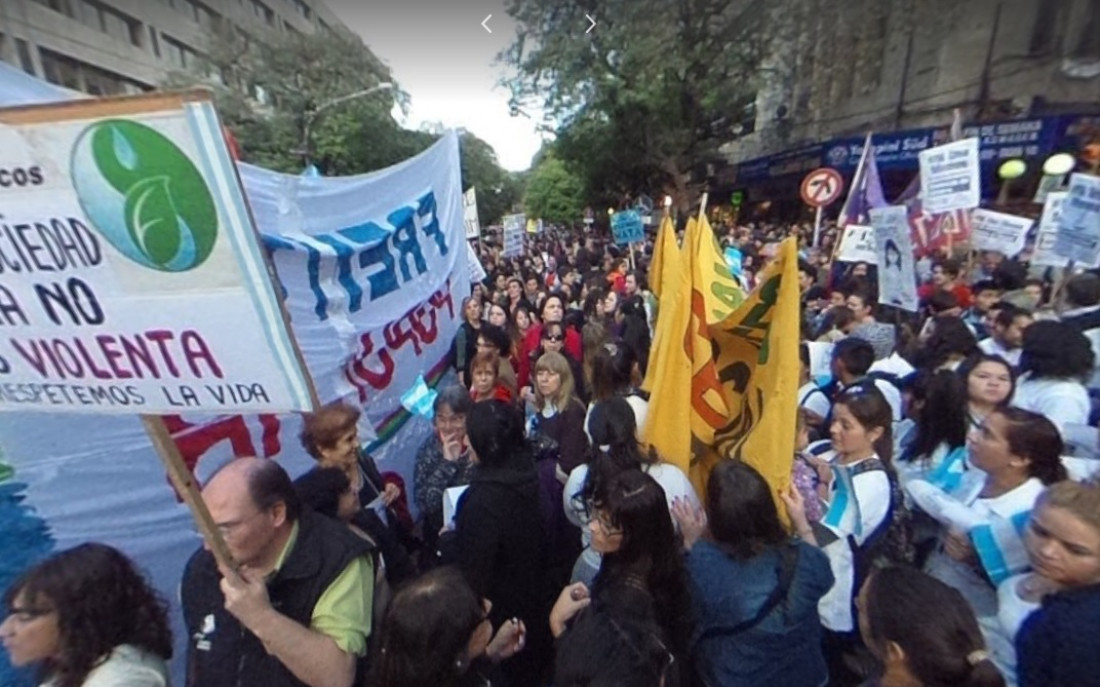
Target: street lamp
pixel 312 114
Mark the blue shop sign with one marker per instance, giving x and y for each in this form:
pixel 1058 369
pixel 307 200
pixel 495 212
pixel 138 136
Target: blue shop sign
pixel 899 150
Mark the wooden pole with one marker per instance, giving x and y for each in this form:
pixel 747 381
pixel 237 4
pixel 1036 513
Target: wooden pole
pixel 188 489
pixel 703 206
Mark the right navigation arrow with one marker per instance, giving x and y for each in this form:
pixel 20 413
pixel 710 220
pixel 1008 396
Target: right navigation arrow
pixel 589 18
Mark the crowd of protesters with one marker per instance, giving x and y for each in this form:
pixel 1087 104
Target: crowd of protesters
pixel 944 517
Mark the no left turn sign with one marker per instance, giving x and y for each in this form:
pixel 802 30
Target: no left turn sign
pixel 822 187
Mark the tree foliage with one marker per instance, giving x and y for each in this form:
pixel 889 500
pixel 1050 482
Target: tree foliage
pixel 554 193
pixel 649 96
pixel 267 86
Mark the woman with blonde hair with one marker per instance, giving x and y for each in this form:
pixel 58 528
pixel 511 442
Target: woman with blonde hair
pixel 560 414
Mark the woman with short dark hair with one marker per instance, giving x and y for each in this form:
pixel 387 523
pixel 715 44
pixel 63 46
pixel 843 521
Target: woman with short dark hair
pixel 754 590
pixel 1056 361
pixel 500 535
pixel 87 618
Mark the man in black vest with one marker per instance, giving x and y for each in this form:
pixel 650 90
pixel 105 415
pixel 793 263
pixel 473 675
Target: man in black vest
pixel 298 610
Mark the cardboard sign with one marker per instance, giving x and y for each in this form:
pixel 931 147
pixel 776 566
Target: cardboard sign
pixel 950 177
pixel 469 214
pixel 627 227
pixel 897 281
pixel 857 245
pixel 998 232
pixel 133 278
pixel 513 235
pixel 1048 232
pixel 1078 235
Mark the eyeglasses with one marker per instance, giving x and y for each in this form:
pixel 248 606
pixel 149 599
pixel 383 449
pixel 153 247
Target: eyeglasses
pixel 555 338
pixel 454 419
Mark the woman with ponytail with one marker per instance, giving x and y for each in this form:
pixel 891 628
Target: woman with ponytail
pixel 615 449
pixel 1017 453
pixel 922 632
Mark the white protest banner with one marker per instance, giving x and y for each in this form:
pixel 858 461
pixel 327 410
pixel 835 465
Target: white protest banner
pixel 133 278
pixel 857 244
pixel 1079 226
pixel 1048 232
pixel 897 281
pixel 373 274
pixel 477 270
pixel 950 177
pixel 514 226
pixel 998 232
pixel 469 214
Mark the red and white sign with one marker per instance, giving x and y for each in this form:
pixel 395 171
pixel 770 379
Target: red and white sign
pixel 822 187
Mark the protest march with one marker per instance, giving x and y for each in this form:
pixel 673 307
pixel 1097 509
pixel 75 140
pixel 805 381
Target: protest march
pixel 270 428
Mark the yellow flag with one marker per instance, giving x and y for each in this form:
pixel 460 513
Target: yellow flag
pixel 665 273
pixel 665 265
pixel 668 378
pixel 714 294
pixel 712 278
pixel 757 362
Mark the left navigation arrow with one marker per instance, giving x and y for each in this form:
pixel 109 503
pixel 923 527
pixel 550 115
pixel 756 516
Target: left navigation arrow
pixel 485 23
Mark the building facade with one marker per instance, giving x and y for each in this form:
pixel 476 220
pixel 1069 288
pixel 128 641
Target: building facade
pixel 113 47
pixel 836 70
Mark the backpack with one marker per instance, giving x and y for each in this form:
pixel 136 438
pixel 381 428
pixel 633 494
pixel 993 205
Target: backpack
pixel 892 541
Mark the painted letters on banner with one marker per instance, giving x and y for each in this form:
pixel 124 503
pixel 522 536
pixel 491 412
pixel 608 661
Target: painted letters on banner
pixel 513 235
pixel 950 177
pixel 857 244
pixel 469 214
pixel 1079 226
pixel 897 282
pixel 1048 232
pixel 133 279
pixel 999 232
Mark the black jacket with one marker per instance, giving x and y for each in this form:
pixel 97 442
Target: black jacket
pixel 221 652
pixel 501 549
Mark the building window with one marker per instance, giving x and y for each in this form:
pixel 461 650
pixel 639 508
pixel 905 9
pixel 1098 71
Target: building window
pixel 63 6
pixel 24 51
pixel 61 70
pixel 154 42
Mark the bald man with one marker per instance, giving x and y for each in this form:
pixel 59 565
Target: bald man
pixel 298 611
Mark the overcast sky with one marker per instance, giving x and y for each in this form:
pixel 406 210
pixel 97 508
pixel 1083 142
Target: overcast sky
pixel 443 58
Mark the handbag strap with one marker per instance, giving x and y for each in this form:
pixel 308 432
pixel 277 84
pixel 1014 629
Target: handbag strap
pixel 788 561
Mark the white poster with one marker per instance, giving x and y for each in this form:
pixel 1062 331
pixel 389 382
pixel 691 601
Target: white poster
pixel 950 177
pixel 133 280
pixel 857 244
pixel 998 232
pixel 1079 226
pixel 469 214
pixel 514 226
pixel 1048 232
pixel 477 270
pixel 897 281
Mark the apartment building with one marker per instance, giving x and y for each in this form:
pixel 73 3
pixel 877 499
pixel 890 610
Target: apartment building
pixel 111 47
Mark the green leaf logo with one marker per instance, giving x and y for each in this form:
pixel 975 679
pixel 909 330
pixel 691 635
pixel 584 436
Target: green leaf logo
pixel 144 195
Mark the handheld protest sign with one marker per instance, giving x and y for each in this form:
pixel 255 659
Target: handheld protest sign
pixel 138 285
pixel 142 287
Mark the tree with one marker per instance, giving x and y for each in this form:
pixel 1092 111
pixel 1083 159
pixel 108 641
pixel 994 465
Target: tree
pixel 266 88
pixel 648 97
pixel 497 190
pixel 553 193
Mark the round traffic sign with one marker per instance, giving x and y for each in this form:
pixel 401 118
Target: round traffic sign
pixel 822 187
